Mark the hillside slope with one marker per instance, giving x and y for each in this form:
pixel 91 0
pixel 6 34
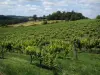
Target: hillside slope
pixel 17 63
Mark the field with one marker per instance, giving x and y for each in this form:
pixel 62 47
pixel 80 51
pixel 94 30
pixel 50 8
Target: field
pixel 62 35
pixel 33 23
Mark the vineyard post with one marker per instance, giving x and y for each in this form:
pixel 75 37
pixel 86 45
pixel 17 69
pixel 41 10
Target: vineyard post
pixel 2 53
pixel 75 50
pixel 40 56
pixel 31 59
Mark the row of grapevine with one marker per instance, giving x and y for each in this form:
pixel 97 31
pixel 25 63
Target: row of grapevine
pixel 44 52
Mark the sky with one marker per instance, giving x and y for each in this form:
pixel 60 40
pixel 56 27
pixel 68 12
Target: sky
pixel 89 8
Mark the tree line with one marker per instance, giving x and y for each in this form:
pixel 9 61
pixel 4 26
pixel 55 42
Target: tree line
pixel 58 15
pixel 8 20
pixel 65 16
pixel 98 17
pixel 68 16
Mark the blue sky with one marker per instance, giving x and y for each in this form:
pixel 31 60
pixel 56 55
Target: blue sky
pixel 89 8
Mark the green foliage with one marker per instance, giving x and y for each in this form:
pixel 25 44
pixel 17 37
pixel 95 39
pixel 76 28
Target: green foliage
pixel 18 47
pixel 65 16
pixel 89 44
pixel 2 49
pixel 32 50
pixel 48 54
pixel 20 37
pixel 44 22
pixel 98 17
pixel 8 20
pixel 35 17
pixel 51 46
pixel 56 49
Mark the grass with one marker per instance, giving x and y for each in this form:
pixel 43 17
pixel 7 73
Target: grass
pixel 86 65
pixel 18 64
pixel 32 23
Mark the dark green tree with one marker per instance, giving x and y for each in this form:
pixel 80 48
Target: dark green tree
pixel 98 17
pixel 35 17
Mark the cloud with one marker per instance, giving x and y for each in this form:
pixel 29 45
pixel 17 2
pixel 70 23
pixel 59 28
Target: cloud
pixel 89 1
pixel 6 2
pixel 89 8
pixel 48 3
pixel 18 7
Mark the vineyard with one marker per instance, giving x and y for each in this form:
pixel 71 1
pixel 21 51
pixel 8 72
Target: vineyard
pixel 64 48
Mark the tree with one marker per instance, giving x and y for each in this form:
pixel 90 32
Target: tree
pixel 98 17
pixel 35 17
pixel 44 17
pixel 73 17
pixel 8 20
pixel 65 16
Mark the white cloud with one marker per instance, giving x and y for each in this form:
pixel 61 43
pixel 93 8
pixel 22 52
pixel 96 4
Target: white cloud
pixel 89 1
pixel 48 8
pixel 7 2
pixel 48 3
pixel 18 7
pixel 41 7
